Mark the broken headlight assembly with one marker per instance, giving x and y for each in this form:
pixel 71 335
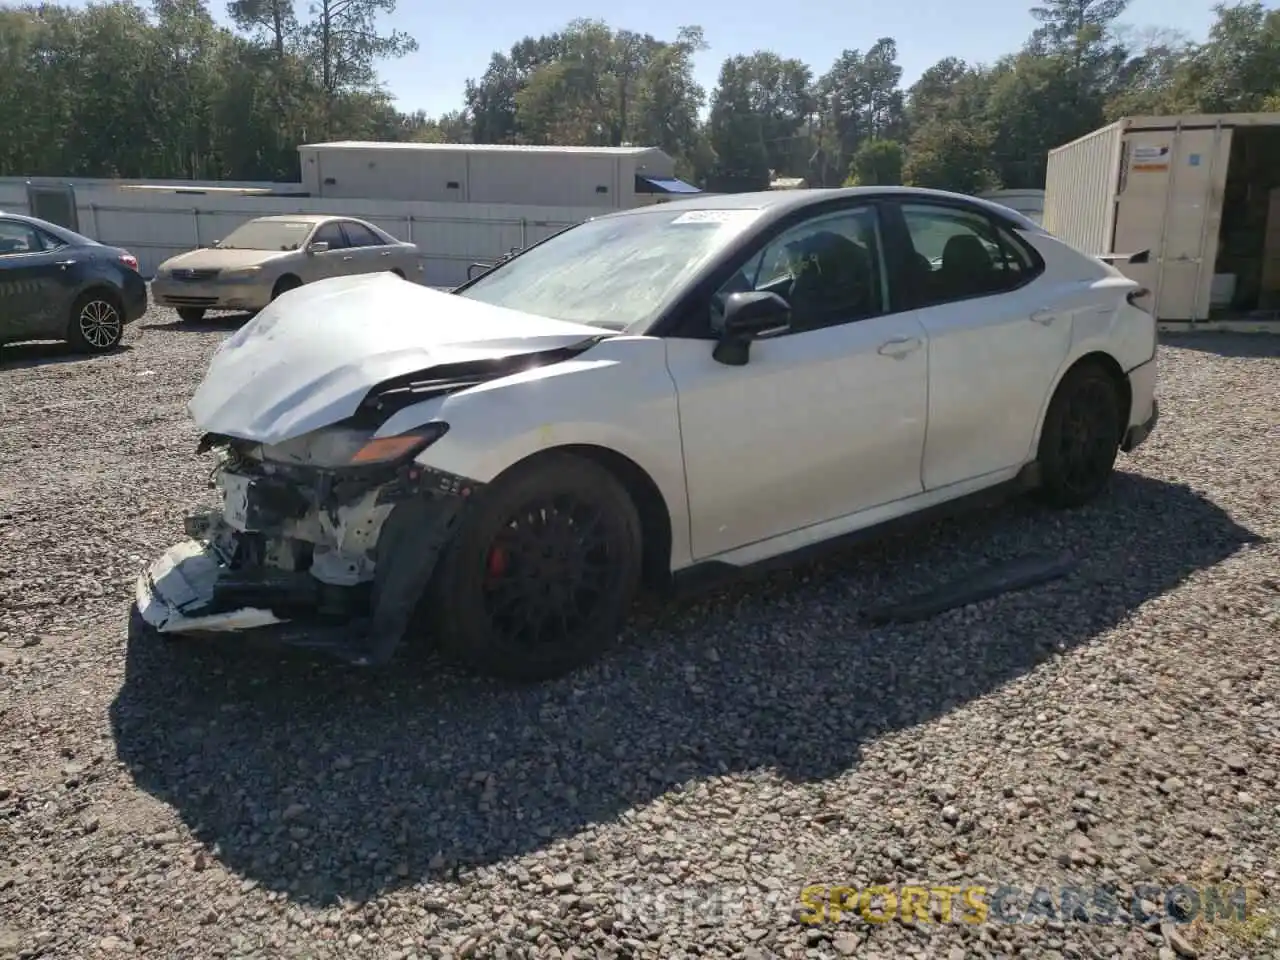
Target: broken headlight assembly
pixel 336 447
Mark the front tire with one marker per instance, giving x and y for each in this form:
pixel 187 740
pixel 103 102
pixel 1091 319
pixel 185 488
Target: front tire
pixel 96 323
pixel 541 574
pixel 1081 437
pixel 284 285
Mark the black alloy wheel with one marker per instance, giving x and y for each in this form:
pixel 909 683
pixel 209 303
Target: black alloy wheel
pixel 1081 437
pixel 539 578
pixel 97 322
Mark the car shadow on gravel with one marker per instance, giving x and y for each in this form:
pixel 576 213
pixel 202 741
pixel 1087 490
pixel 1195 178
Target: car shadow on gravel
pixel 16 356
pixel 219 323
pixel 322 783
pixel 1261 345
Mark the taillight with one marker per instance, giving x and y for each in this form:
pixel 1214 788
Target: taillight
pixel 1136 295
pixel 130 261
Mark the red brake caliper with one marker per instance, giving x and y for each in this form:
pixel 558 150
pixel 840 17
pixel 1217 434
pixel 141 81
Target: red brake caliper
pixel 497 562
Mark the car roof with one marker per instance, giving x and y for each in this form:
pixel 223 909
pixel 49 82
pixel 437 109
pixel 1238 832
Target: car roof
pixel 302 217
pixel 776 203
pixel 27 219
pixel 63 233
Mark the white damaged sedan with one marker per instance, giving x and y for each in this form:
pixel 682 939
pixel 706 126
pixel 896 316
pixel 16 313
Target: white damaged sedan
pixel 662 392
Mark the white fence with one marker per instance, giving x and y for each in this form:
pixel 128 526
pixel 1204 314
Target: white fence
pixel 154 226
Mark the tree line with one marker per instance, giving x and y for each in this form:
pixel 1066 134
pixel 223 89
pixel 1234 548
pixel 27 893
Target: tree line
pixel 118 90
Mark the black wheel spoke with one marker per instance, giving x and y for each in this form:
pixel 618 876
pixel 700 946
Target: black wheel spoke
pixel 549 571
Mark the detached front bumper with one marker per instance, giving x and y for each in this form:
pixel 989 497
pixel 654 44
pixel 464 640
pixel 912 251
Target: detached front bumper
pixel 306 566
pixel 177 593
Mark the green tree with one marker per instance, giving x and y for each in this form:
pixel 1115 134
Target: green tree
pixel 669 100
pixel 859 99
pixel 271 22
pixel 762 114
pixel 878 163
pixel 1238 68
pixel 344 45
pixel 950 155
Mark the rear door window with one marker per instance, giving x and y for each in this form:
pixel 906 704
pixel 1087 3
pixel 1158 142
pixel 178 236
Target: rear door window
pixel 960 254
pixel 358 235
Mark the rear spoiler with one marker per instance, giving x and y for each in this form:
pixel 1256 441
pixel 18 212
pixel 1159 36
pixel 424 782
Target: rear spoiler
pixel 1142 256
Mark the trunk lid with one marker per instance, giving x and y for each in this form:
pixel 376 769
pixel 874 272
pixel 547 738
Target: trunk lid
pixel 310 358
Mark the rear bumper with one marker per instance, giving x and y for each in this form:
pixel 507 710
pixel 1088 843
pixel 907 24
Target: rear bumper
pixel 134 295
pixel 1138 434
pixel 1144 411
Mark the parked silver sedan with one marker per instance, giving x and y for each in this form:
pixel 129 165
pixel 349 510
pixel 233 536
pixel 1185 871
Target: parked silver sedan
pixel 261 259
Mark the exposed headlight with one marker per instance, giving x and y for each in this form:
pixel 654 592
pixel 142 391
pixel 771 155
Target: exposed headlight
pixel 243 273
pixel 336 447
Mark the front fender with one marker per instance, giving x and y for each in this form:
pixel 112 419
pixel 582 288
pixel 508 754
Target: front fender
pixel 618 395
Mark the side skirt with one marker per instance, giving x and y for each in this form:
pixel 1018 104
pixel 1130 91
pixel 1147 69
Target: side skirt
pixel 713 573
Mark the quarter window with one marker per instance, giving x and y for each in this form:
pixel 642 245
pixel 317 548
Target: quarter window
pixel 959 254
pixel 829 269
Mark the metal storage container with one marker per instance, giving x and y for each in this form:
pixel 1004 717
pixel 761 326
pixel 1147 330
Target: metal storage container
pixel 616 177
pixel 1160 184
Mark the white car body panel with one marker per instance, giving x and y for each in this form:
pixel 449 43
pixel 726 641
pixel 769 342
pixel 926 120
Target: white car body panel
pixel 617 395
pixel 989 362
pixel 1114 327
pixel 819 425
pixel 308 359
pixel 862 520
pixel 819 435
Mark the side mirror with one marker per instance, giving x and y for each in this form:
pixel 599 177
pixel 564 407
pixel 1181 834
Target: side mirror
pixel 750 316
pixel 320 246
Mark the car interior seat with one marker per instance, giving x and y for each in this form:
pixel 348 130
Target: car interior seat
pixel 835 281
pixel 966 268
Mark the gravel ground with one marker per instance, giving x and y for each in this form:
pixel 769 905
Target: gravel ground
pixel 1116 728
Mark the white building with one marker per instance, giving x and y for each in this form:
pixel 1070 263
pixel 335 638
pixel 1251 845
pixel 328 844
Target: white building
pixel 612 177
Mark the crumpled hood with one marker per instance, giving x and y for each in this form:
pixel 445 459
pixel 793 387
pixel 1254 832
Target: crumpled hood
pixel 312 356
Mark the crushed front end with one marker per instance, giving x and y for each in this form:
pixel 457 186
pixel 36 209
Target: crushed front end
pixel 323 542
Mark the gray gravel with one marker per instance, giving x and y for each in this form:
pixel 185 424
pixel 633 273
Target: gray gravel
pixel 1117 727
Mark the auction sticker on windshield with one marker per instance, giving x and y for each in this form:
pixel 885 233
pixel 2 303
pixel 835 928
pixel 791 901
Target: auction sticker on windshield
pixel 715 216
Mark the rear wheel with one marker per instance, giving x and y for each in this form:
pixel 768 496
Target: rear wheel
pixel 540 576
pixel 284 285
pixel 191 314
pixel 97 322
pixel 1081 437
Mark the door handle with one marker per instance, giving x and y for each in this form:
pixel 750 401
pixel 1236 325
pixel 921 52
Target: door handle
pixel 348 258
pixel 385 253
pixel 64 263
pixel 1044 317
pixel 900 348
